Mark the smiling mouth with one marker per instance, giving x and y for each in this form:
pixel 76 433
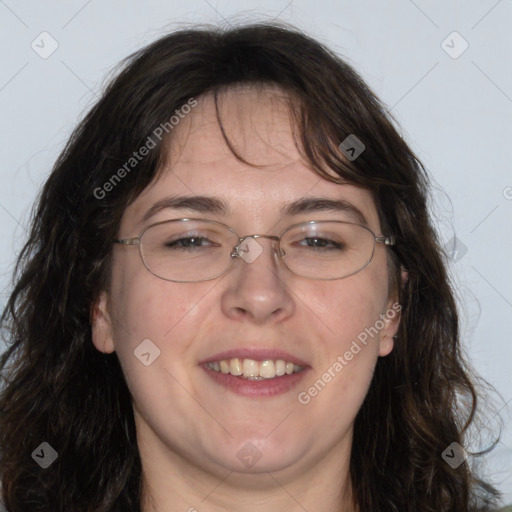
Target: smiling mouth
pixel 251 369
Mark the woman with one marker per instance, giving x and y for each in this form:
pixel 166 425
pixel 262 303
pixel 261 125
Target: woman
pixel 232 297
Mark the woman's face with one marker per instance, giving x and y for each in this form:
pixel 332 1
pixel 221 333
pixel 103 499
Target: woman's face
pixel 185 411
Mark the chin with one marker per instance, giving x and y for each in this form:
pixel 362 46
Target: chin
pixel 253 455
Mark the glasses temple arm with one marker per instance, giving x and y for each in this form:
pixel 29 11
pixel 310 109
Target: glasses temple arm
pixel 388 240
pixel 127 241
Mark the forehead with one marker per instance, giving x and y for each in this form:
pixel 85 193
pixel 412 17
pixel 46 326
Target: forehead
pixel 255 120
pixel 258 125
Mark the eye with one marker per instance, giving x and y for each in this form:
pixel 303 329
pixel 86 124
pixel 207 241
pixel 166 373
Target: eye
pixel 321 243
pixel 190 242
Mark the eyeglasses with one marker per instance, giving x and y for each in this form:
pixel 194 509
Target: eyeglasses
pixel 193 250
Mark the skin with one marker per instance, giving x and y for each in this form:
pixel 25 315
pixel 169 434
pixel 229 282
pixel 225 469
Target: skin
pixel 189 428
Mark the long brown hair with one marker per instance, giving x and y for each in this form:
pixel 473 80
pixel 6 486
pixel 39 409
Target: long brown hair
pixel 59 389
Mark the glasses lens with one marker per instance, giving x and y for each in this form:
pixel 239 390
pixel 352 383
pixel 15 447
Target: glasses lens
pixel 327 250
pixel 187 250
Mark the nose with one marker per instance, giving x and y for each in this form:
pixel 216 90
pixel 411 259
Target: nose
pixel 256 290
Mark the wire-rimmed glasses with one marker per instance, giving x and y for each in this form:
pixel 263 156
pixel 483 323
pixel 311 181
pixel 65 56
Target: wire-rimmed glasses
pixel 191 250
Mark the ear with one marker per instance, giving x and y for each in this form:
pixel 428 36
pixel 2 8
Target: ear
pixel 391 318
pixel 101 325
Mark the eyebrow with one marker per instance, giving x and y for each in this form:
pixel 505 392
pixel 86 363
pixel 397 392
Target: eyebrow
pixel 216 205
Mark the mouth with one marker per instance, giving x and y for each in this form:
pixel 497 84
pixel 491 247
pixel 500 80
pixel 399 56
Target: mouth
pixel 251 369
pixel 256 373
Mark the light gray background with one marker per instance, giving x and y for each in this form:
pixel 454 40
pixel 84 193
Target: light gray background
pixel 455 113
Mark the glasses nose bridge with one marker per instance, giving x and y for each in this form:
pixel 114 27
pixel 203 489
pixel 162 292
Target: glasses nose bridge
pixel 238 251
pixel 270 237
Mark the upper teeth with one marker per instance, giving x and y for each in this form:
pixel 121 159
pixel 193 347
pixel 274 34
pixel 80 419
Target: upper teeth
pixel 255 370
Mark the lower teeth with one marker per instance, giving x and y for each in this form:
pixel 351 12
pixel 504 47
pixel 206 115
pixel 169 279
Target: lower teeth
pixel 254 378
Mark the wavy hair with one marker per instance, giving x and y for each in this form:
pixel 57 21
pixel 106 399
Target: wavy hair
pixel 57 388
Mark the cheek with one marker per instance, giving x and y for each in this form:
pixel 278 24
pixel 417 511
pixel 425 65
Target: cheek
pixel 147 308
pixel 350 307
pixel 141 307
pixel 152 338
pixel 348 339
